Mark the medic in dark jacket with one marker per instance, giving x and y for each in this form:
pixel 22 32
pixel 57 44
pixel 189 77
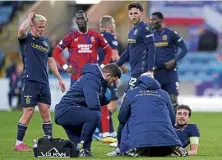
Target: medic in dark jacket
pixel 148 117
pixel 78 112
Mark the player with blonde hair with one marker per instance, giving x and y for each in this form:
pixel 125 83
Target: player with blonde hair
pixel 36 55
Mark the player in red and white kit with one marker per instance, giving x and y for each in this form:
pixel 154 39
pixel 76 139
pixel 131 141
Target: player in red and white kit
pixel 83 45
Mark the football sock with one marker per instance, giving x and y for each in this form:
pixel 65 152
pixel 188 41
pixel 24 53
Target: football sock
pixel 47 128
pixel 20 133
pixel 105 122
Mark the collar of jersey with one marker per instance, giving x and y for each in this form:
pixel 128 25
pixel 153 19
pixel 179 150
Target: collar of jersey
pixel 34 36
pixel 83 33
pixel 138 24
pixel 161 31
pixel 178 127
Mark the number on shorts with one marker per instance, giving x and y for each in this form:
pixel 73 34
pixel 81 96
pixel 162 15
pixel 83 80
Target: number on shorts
pixel 177 85
pixel 132 82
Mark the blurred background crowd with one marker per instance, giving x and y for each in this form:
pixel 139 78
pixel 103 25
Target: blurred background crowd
pixel 198 22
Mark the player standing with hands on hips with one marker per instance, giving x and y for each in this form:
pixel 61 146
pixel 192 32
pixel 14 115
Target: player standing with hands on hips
pixel 167 43
pixel 83 45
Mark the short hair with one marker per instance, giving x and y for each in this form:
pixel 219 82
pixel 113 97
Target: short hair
pixel 113 69
pixel 106 20
pixel 39 18
pixel 135 5
pixel 183 106
pixel 82 12
pixel 158 14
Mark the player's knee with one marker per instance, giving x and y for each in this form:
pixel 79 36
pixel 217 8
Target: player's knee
pixel 45 113
pixel 95 117
pixel 174 100
pixel 28 112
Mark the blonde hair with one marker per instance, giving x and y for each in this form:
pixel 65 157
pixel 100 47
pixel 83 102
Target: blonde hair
pixel 39 18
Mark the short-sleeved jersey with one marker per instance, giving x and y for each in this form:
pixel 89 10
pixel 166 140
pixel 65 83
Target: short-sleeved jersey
pixel 83 48
pixel 111 39
pixel 166 43
pixel 138 39
pixel 35 52
pixel 185 132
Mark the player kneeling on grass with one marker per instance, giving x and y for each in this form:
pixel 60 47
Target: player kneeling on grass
pixel 146 120
pixel 188 133
pixel 78 112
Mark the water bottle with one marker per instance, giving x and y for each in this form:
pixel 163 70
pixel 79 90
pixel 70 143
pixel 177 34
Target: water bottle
pixel 35 144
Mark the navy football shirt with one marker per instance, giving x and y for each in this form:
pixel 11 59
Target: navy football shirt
pixel 185 132
pixel 140 51
pixel 35 52
pixel 166 43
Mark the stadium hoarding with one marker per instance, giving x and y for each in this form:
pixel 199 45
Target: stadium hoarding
pixel 197 103
pixel 184 12
pixel 208 89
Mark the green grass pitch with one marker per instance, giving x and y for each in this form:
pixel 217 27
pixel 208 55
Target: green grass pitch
pixel 210 125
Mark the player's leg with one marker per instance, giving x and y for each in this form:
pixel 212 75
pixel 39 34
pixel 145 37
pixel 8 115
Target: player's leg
pixel 44 102
pixel 112 107
pixel 70 121
pixel 105 117
pixel 28 102
pixel 106 130
pixel 76 116
pixel 116 150
pixel 172 87
pixel 10 96
pixel 74 133
pixel 89 127
pixel 133 82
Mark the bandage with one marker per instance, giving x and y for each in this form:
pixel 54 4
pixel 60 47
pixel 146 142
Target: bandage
pixel 194 140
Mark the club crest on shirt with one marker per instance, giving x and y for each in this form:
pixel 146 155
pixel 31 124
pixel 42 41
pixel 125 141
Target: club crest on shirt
pixel 92 39
pixel 135 32
pixel 164 37
pixel 45 43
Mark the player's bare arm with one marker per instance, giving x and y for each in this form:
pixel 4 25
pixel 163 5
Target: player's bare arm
pixel 170 64
pixel 54 69
pixel 116 57
pixel 25 25
pixel 194 141
pixel 179 42
pixel 57 54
